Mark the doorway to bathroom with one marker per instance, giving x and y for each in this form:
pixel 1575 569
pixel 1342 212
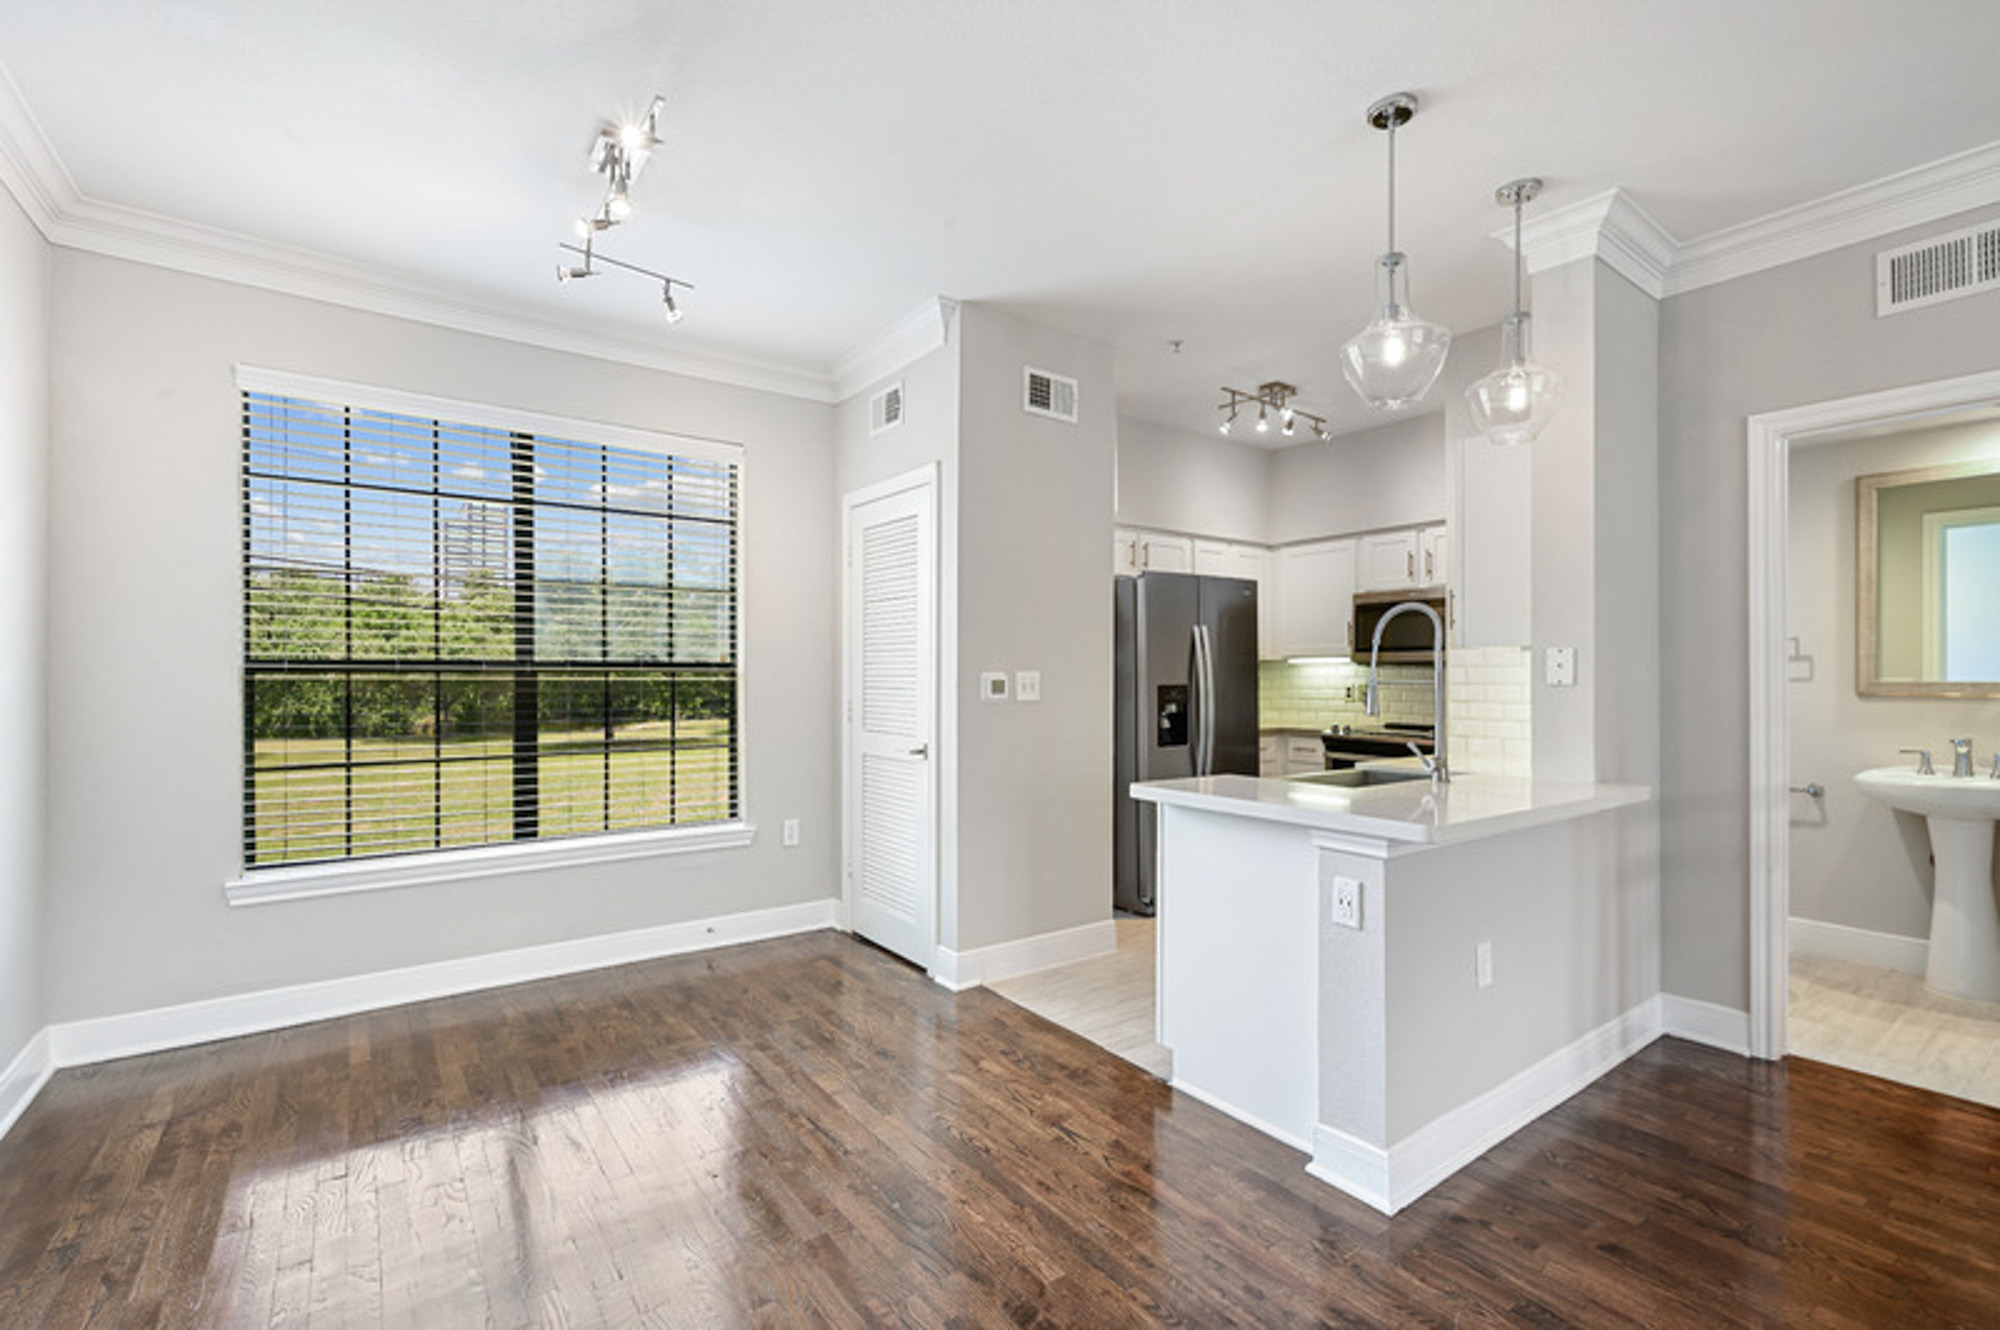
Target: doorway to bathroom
pixel 1843 885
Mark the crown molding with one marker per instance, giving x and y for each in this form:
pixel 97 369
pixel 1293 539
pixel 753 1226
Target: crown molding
pixel 29 167
pixel 1608 226
pixel 915 335
pixel 1613 227
pixel 1916 197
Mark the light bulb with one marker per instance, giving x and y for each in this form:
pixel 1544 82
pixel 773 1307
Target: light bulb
pixel 1517 392
pixel 1263 422
pixel 673 310
pixel 1224 427
pixel 619 205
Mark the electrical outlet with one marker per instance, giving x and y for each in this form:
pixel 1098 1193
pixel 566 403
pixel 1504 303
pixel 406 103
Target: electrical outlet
pixel 1559 667
pixel 1347 901
pixel 791 831
pixel 1482 964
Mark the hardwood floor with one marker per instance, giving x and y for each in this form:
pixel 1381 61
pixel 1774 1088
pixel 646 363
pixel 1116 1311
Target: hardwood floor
pixel 807 1131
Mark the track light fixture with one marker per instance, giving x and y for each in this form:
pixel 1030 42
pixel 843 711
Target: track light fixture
pixel 1274 396
pixel 619 153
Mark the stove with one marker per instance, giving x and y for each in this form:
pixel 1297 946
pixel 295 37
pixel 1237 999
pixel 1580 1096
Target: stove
pixel 1346 745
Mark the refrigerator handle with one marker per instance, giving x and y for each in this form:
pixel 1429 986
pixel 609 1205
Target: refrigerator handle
pixel 1203 720
pixel 1195 701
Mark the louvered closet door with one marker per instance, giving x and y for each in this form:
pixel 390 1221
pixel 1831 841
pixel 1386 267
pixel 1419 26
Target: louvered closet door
pixel 891 795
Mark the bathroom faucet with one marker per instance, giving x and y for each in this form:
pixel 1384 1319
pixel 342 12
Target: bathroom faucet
pixel 1434 762
pixel 1924 767
pixel 1961 757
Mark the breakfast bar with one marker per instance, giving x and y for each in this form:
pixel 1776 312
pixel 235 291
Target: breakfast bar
pixel 1393 975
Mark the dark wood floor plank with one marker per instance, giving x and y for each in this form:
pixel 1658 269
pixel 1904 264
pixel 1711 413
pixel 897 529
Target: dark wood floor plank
pixel 808 1132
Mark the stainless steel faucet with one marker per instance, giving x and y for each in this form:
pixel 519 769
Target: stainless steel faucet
pixel 1961 757
pixel 1924 767
pixel 1434 762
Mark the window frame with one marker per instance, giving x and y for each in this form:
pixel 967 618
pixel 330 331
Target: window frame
pixel 288 881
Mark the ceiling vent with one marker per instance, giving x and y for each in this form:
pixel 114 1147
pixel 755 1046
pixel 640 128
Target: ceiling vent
pixel 1942 268
pixel 885 409
pixel 1046 394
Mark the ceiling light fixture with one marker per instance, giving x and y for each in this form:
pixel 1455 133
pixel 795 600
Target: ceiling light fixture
pixel 1511 404
pixel 1394 361
pixel 619 153
pixel 1273 396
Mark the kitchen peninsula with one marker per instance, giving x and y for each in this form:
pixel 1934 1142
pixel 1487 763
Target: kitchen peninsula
pixel 1395 976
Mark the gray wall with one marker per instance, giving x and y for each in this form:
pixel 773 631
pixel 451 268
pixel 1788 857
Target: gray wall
pixel 1034 814
pixel 24 441
pixel 1855 862
pixel 1393 475
pixel 1202 484
pixel 1802 333
pixel 144 737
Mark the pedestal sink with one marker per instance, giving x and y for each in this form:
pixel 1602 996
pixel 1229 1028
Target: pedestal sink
pixel 1965 922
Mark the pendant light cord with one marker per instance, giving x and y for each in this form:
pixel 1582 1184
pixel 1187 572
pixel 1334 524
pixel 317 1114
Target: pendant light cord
pixel 1517 253
pixel 1392 182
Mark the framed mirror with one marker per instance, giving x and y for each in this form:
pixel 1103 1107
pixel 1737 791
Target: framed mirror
pixel 1927 585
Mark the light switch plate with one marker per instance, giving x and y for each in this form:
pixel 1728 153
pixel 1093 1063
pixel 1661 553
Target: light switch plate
pixel 1027 685
pixel 992 686
pixel 1559 669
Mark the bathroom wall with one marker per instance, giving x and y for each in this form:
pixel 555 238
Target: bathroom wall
pixel 1861 875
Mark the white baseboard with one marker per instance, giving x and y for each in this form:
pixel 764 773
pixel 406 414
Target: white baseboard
pixel 960 970
pixel 1884 951
pixel 75 1043
pixel 1390 1179
pixel 1276 1133
pixel 24 1078
pixel 1700 1022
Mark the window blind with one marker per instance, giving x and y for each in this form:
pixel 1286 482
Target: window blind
pixel 462 634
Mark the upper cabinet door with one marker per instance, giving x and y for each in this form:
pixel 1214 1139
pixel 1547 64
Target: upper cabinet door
pixel 1434 555
pixel 1387 561
pixel 1315 599
pixel 1165 554
pixel 1124 553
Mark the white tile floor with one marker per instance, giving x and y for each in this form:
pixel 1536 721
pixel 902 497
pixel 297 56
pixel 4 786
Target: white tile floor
pixel 1886 1023
pixel 1107 999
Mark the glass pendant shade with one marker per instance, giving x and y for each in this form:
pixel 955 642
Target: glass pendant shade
pixel 1394 361
pixel 1511 404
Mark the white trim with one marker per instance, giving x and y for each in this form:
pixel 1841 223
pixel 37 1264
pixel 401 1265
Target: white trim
pixel 1613 227
pixel 76 1043
pixel 1221 1105
pixel 23 1080
pixel 1916 197
pixel 1390 1179
pixel 260 886
pixel 1884 951
pixel 923 330
pixel 1770 438
pixel 370 397
pixel 1706 1023
pixel 960 970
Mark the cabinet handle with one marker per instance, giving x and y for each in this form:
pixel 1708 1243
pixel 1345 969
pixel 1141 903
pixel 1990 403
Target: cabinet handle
pixel 1410 565
pixel 1428 574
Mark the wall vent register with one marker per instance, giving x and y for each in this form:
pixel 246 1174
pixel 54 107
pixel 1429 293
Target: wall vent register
pixel 1942 268
pixel 1046 394
pixel 885 409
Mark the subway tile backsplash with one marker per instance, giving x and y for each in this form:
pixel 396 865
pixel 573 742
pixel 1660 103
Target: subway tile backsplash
pixel 1487 691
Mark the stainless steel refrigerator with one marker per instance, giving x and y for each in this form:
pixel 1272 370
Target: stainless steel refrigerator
pixel 1185 703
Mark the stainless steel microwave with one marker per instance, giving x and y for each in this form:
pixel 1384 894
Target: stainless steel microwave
pixel 1408 637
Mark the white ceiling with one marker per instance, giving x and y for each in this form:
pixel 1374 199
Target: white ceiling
pixel 1135 170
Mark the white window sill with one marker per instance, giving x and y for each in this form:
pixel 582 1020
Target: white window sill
pixel 264 885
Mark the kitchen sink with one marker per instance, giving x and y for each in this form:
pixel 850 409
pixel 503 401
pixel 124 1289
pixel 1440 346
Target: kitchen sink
pixel 1359 777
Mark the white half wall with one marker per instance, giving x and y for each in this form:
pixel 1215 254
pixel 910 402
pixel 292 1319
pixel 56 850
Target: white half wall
pixel 144 710
pixel 24 445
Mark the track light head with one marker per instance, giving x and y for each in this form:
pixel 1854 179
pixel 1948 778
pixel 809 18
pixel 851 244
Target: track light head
pixel 566 274
pixel 674 312
pixel 1229 422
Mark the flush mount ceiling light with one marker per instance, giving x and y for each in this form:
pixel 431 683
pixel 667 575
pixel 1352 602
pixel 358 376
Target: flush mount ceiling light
pixel 1511 404
pixel 1394 361
pixel 619 153
pixel 1273 398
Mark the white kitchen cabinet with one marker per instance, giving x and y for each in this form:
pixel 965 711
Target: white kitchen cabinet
pixel 1315 585
pixel 1304 754
pixel 1400 560
pixel 1134 551
pixel 1434 555
pixel 1270 755
pixel 1222 558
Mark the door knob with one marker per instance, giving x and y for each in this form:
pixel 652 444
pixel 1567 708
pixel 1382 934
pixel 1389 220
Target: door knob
pixel 921 750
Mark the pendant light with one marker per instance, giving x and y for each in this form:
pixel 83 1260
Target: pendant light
pixel 1394 361
pixel 1511 404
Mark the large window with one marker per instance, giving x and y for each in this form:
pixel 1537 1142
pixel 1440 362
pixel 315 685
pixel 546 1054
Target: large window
pixel 463 634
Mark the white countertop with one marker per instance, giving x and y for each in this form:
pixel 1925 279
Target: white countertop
pixel 1469 806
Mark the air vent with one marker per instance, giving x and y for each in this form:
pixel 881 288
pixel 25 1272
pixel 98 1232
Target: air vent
pixel 885 409
pixel 1046 394
pixel 1942 268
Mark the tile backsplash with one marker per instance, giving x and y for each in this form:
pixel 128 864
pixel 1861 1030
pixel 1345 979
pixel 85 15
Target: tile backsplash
pixel 1486 690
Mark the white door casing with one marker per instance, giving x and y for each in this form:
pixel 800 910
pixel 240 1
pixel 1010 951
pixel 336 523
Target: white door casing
pixel 890 799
